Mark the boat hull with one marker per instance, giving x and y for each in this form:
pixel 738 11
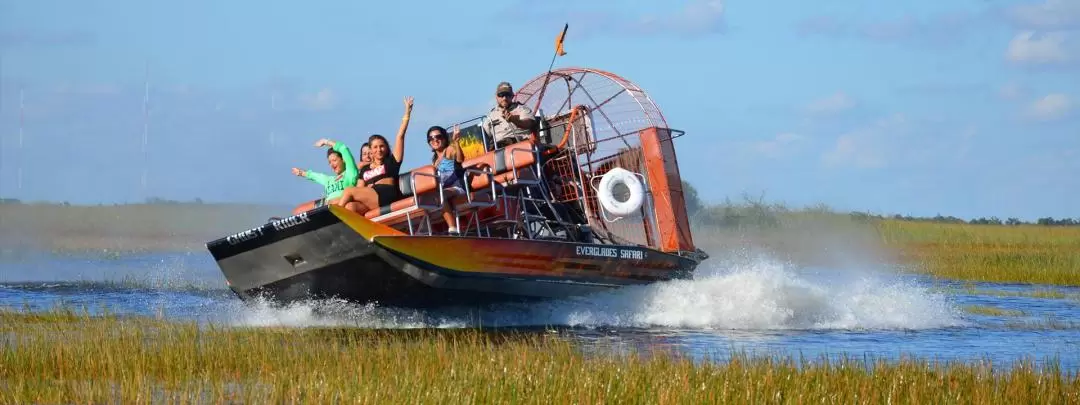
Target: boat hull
pixel 333 253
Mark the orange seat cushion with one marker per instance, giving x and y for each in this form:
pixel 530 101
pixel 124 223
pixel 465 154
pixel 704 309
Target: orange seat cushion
pixel 503 163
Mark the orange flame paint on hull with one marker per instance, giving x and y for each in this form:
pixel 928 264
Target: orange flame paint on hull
pixel 534 258
pixel 363 226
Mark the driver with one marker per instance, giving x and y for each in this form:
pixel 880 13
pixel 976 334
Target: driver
pixel 509 121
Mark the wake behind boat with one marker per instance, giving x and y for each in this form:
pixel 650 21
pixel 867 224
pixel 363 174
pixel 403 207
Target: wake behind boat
pixel 592 202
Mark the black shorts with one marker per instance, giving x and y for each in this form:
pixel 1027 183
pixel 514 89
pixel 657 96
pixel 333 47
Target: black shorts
pixel 387 193
pixel 509 140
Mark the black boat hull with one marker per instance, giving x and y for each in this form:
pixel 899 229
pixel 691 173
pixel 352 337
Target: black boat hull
pixel 318 255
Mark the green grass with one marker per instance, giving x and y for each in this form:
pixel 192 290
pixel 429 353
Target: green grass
pixel 1046 323
pixel 1041 293
pixel 64 356
pixel 995 253
pixel 991 311
pixel 68 357
pixel 819 236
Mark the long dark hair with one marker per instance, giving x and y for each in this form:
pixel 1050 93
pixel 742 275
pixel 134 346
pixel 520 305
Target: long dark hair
pixel 442 133
pixel 389 154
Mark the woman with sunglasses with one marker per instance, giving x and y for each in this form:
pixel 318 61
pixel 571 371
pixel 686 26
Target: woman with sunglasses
pixel 447 158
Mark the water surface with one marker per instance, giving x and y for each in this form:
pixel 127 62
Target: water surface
pixel 757 305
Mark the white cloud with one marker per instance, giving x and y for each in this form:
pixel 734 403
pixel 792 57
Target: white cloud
pixel 779 146
pixel 855 151
pixel 866 148
pixel 1049 108
pixel 324 99
pixel 700 16
pixel 1027 47
pixel 1053 14
pixel 694 18
pixel 942 30
pixel 833 104
pixel 1012 91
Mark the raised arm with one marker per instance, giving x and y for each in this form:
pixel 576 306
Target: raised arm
pixel 399 141
pixel 351 171
pixel 459 155
pixel 521 116
pixel 317 177
pixel 346 156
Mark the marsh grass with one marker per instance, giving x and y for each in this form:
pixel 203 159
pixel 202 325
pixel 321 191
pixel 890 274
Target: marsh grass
pixel 991 311
pixel 71 357
pixel 1046 323
pixel 151 282
pixel 1040 293
pixel 995 253
pixel 819 236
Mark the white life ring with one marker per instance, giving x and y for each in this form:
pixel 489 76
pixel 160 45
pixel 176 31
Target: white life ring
pixel 616 176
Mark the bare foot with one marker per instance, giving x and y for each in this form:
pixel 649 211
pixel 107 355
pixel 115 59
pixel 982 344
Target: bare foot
pixel 355 207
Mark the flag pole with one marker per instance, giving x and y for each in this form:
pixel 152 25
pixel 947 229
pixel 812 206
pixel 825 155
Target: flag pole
pixel 558 52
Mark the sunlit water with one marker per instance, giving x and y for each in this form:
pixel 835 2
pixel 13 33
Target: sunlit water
pixel 757 306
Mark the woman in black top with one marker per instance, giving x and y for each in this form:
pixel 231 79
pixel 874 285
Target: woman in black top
pixel 378 182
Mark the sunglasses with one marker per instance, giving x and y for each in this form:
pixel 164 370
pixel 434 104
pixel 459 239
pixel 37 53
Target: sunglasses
pixel 434 137
pixel 505 94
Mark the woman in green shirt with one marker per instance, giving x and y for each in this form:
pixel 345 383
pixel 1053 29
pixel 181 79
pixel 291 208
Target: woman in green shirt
pixel 345 174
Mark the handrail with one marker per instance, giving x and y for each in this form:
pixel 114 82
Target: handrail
pixel 416 196
pixel 570 125
pixel 468 183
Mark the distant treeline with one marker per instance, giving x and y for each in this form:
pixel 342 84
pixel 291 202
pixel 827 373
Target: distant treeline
pixel 756 213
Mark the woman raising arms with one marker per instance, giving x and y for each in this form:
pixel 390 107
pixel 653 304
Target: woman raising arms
pixel 344 170
pixel 381 176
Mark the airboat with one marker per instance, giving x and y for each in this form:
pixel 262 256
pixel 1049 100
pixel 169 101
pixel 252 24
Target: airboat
pixel 592 202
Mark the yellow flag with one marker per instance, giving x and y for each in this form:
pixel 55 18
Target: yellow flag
pixel 559 41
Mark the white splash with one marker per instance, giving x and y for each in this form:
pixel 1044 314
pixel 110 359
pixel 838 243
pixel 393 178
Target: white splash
pixel 319 313
pixel 755 295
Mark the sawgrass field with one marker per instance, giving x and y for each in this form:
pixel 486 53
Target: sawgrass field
pixel 68 357
pixel 1023 253
pixel 1035 254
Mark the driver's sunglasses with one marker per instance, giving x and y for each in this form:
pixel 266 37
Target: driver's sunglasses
pixel 505 94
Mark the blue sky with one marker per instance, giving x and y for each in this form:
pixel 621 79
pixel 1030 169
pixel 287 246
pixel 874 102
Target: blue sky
pixel 967 108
